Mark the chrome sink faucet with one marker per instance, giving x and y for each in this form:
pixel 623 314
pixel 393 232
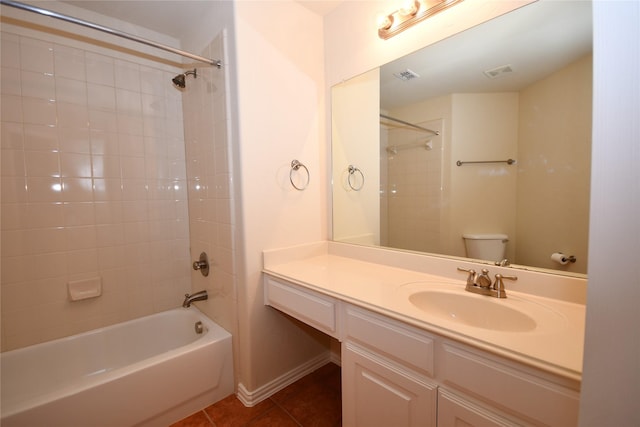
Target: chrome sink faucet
pixel 198 296
pixel 481 283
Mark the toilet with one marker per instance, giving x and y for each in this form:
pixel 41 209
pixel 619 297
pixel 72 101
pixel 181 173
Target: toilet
pixel 490 247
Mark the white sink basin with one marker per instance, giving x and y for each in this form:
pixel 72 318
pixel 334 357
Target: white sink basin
pixel 474 310
pixel 449 305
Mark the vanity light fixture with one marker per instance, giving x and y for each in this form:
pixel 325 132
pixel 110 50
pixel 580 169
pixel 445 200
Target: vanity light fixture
pixel 409 14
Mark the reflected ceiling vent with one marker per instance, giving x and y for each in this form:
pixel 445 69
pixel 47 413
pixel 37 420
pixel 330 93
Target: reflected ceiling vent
pixel 406 75
pixel 498 71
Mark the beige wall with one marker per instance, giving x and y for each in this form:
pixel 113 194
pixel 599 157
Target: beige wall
pixel 554 156
pixel 281 100
pixel 611 378
pixel 93 183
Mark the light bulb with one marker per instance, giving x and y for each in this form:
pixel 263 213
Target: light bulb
pixel 384 22
pixel 409 7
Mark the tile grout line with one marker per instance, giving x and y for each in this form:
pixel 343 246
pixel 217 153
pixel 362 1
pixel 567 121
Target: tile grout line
pixel 286 412
pixel 213 424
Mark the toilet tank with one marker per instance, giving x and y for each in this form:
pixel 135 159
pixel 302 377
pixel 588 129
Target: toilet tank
pixel 490 247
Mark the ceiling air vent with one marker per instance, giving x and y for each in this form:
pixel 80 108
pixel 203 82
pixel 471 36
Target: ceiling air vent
pixel 406 75
pixel 498 71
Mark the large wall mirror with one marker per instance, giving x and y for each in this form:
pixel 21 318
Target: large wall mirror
pixel 486 133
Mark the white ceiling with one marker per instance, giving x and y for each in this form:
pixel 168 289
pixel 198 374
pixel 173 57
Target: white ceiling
pixel 321 7
pixel 171 17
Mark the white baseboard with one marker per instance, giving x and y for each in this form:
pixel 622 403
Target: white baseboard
pixel 252 398
pixel 335 358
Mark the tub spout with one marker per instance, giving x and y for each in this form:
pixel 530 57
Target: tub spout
pixel 198 296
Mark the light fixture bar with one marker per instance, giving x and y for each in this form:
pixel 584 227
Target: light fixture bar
pixel 397 21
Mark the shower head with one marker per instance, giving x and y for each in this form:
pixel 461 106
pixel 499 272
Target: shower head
pixel 180 79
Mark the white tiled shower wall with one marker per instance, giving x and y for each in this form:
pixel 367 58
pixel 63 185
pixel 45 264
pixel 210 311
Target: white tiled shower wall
pixel 93 184
pixel 212 221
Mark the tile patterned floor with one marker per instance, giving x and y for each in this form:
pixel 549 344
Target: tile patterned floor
pixel 312 401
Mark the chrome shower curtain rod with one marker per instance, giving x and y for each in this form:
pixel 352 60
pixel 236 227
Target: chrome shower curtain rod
pixel 409 124
pixel 108 30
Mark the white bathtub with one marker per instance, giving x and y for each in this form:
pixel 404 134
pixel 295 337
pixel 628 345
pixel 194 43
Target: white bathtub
pixel 150 371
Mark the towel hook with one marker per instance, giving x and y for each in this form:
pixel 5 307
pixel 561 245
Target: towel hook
pixel 352 171
pixel 295 165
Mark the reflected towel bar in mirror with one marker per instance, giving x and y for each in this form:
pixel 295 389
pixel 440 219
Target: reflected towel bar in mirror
pixel 352 171
pixel 411 125
pixel 427 145
pixel 508 161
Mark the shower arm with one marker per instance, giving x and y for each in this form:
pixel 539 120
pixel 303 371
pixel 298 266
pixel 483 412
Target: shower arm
pixel 108 30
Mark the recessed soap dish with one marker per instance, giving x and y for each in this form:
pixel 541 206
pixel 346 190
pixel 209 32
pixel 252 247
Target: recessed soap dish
pixel 85 288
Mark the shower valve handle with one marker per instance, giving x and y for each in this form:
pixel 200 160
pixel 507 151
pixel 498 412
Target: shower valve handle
pixel 198 265
pixel 202 264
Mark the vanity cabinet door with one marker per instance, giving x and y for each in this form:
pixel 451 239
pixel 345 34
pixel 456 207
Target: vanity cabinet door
pixel 524 392
pixel 378 392
pixel 455 411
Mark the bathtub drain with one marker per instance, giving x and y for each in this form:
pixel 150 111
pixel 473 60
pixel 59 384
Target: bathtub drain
pixel 199 328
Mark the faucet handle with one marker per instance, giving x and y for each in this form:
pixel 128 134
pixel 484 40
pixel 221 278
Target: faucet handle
pixel 471 278
pixel 498 285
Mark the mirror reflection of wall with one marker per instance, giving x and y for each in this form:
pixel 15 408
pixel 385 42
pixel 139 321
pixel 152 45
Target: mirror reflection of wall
pixel 554 151
pixel 355 136
pixel 412 194
pixel 539 114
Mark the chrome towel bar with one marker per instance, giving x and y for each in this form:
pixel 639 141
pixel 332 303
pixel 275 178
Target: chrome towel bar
pixel 508 161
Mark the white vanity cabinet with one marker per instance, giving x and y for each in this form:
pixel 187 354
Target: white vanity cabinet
pixel 396 374
pixel 531 396
pixel 312 308
pixel 386 372
pixel 455 410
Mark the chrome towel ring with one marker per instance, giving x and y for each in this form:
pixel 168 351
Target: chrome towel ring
pixel 295 165
pixel 352 171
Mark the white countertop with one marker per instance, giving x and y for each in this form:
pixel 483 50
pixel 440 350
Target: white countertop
pixel 382 287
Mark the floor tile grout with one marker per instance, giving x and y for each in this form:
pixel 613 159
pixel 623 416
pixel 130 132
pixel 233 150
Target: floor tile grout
pixel 286 412
pixel 208 418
